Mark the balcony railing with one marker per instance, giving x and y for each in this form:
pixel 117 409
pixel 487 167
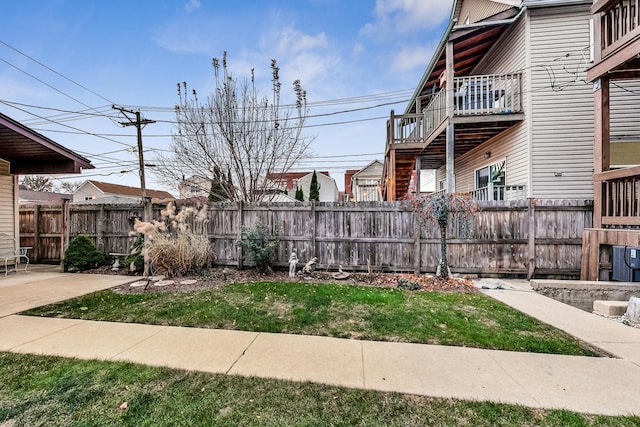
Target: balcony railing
pixel 487 94
pixel 619 23
pixel 405 128
pixel 620 196
pixel 435 112
pixel 499 192
pixel 473 95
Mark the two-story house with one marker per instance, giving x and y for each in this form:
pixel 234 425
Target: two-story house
pixel 504 110
pixel 610 248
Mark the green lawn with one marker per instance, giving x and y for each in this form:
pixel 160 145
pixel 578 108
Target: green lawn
pixel 349 311
pixel 51 391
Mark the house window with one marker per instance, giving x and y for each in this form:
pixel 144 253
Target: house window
pixel 490 181
pixel 442 184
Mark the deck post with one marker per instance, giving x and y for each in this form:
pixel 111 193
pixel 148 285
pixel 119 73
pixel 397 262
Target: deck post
pixel 450 132
pixel 602 143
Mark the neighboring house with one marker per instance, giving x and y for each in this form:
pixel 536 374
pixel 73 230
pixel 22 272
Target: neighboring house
pixel 92 190
pixel 29 196
pixel 347 196
pixel 288 182
pixel 365 184
pixel 195 186
pixel 609 250
pixel 25 152
pixel 328 187
pixel 503 110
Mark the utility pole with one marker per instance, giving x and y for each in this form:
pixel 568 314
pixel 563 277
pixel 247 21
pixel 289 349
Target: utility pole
pixel 139 122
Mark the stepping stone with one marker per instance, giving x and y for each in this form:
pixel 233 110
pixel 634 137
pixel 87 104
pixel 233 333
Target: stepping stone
pixel 164 283
pixel 138 284
pixel 156 278
pixel 188 282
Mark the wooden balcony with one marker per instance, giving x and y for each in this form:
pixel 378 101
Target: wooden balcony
pixel 620 197
pixel 617 39
pixel 481 107
pixel 619 21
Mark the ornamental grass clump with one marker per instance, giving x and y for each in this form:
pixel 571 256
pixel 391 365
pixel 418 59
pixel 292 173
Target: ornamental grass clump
pixel 175 249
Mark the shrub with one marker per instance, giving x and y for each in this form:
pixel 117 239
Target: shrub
pixel 408 285
pixel 261 244
pixel 82 255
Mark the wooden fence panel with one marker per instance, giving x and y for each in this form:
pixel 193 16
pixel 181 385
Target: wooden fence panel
pixel 503 238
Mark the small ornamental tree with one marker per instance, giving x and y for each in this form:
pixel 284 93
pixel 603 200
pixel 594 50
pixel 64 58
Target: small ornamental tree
pixel 299 194
pixel 439 209
pixel 314 189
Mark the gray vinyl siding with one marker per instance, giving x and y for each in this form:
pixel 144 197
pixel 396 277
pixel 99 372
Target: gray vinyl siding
pixel 509 55
pixel 562 103
pixel 7 200
pixel 477 10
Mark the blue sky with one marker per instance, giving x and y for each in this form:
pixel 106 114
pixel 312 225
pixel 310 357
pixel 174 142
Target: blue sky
pixel 353 54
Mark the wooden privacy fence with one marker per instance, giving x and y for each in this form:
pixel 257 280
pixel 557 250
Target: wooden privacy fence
pixel 526 237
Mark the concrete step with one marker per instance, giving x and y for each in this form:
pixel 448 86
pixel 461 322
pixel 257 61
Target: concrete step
pixel 610 308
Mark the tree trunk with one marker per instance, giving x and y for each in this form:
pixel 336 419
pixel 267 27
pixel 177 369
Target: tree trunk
pixel 444 265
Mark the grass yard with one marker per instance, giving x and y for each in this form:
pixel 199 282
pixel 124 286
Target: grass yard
pixel 51 391
pixel 348 311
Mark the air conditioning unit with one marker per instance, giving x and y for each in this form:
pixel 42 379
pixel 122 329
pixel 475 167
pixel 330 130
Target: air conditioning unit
pixel 626 264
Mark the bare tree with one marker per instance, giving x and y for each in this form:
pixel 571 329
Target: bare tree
pixel 70 187
pixel 236 133
pixel 38 183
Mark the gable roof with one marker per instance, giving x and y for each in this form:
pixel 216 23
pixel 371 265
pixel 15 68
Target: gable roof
pixel 29 152
pixel 125 190
pixel 378 162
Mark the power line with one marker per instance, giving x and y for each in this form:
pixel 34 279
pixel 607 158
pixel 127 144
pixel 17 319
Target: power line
pixel 67 126
pixel 56 72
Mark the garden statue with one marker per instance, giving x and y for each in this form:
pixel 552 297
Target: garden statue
pixel 310 266
pixel 293 262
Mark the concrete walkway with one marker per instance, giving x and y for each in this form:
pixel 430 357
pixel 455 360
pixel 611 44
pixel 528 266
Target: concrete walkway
pixel 591 385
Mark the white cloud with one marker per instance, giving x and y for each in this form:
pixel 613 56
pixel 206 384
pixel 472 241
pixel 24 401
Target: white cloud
pixel 410 58
pixel 294 41
pixel 403 16
pixel 192 5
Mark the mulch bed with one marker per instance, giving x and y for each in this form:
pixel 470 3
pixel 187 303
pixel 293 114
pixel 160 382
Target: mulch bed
pixel 218 276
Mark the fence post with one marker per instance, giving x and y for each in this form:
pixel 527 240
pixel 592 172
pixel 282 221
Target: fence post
pixel 64 230
pixel 417 235
pixel 100 229
pixel 531 247
pixel 239 251
pixel 314 227
pixel 36 233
